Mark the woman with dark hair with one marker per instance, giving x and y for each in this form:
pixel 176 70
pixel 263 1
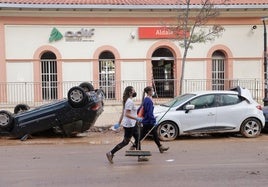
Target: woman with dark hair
pixel 149 120
pixel 128 120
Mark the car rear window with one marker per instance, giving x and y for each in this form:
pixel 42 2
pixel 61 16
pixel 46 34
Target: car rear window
pixel 229 99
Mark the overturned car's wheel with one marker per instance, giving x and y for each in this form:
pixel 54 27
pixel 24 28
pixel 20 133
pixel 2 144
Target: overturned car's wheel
pixel 6 119
pixel 77 97
pixel 251 128
pixel 167 131
pixel 87 86
pixel 21 108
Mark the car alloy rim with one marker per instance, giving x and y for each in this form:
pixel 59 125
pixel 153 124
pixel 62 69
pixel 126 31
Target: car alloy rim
pixel 167 131
pixel 4 119
pixel 252 128
pixel 76 96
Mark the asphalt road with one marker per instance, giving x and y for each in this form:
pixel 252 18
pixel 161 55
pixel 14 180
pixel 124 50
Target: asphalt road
pixel 81 162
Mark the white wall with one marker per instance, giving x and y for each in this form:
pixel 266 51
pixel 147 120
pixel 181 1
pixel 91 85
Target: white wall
pixel 77 71
pixel 20 78
pixel 195 70
pixel 133 71
pixel 20 72
pixel 31 37
pixel 23 40
pixel 247 70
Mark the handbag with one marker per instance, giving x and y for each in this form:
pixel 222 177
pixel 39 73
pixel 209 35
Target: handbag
pixel 141 112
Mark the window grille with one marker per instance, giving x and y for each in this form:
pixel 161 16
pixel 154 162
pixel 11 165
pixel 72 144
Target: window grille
pixel 218 69
pixel 49 79
pixel 107 77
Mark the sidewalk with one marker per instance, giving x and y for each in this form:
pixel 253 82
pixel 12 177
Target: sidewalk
pixel 109 116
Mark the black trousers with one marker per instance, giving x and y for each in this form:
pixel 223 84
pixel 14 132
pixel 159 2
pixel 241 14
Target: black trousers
pixel 128 133
pixel 146 128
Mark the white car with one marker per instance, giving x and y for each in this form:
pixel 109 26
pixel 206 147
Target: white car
pixel 210 112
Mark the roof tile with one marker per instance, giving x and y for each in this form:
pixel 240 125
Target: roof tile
pixel 126 2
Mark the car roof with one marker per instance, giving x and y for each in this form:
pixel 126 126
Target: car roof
pixel 213 92
pixel 236 90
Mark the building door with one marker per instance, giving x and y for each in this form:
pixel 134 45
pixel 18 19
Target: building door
pixel 107 74
pixel 163 72
pixel 49 76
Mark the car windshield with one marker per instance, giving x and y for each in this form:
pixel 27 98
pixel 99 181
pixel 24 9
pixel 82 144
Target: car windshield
pixel 179 100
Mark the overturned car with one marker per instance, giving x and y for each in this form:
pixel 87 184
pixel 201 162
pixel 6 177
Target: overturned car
pixel 74 114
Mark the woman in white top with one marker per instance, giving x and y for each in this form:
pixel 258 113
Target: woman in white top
pixel 128 120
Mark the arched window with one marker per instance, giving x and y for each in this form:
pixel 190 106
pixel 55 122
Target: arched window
pixel 107 74
pixel 163 72
pixel 49 76
pixel 218 70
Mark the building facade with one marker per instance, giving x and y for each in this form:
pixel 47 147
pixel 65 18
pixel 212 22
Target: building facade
pixel 44 46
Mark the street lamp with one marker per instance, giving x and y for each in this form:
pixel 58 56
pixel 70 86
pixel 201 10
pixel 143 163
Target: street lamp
pixel 265 100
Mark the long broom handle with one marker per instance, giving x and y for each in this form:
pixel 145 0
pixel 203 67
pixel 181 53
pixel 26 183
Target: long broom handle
pixel 158 121
pixel 155 88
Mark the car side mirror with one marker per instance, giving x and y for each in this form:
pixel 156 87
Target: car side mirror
pixel 188 108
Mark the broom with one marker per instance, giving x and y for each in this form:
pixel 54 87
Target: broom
pixel 146 153
pixel 138 152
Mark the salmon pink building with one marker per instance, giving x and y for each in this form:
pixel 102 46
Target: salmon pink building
pixel 48 45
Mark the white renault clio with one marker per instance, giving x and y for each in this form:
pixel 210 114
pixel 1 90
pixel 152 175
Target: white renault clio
pixel 210 112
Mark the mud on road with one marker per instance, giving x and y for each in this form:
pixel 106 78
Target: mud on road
pixel 96 135
pixel 104 135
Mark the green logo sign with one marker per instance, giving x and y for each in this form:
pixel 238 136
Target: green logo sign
pixel 55 35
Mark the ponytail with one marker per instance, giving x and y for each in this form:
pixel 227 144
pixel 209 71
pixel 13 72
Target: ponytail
pixel 143 96
pixel 146 90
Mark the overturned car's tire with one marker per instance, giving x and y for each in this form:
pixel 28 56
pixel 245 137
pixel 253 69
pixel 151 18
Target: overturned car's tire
pixel 87 86
pixel 21 108
pixel 77 97
pixel 6 120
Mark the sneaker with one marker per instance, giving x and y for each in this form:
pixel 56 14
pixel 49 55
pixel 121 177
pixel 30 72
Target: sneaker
pixel 162 149
pixel 132 148
pixel 142 159
pixel 110 157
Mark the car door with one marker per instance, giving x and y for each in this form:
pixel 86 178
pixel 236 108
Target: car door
pixel 202 117
pixel 230 111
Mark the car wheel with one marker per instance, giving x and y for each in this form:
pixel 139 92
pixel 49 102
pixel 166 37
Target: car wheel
pixel 6 119
pixel 87 86
pixel 77 96
pixel 21 108
pixel 250 128
pixel 167 131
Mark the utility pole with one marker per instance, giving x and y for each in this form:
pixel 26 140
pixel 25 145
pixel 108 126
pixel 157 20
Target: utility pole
pixel 265 100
